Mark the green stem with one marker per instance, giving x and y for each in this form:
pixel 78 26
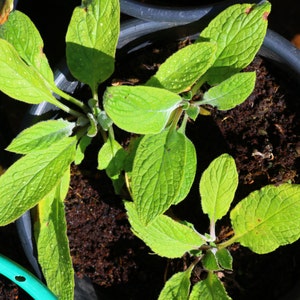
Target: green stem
pixel 111 133
pixel 227 243
pixel 69 98
pixel 213 230
pixel 103 134
pixel 198 85
pixel 176 118
pixel 68 109
pixel 183 124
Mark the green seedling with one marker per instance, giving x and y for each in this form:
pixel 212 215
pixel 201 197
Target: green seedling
pixel 158 167
pixel 263 221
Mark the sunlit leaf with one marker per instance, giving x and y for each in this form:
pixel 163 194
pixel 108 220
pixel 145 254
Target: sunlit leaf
pixel 163 172
pixel 32 177
pixel 52 241
pixel 177 287
pixel 268 218
pixel 163 235
pixel 41 136
pixel 210 288
pixel 239 32
pixel 91 41
pixel 217 187
pixel 140 109
pixel 231 92
pixel 181 70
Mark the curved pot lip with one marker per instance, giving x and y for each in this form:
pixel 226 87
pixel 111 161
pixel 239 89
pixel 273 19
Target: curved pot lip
pixel 275 47
pixel 179 15
pixel 281 52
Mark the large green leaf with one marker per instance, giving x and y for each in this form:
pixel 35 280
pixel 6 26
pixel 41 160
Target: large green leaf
pixel 163 235
pixel 217 260
pixel 91 41
pixel 177 287
pixel 163 172
pixel 111 158
pixel 41 136
pixel 217 187
pixel 32 177
pixel 140 109
pixel 209 261
pixel 230 92
pixel 224 259
pixel 239 32
pixel 52 241
pixel 209 289
pixel 180 71
pixel 25 38
pixel 20 81
pixel 268 218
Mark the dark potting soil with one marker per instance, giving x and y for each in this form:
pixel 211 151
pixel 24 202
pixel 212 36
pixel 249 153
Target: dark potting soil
pixel 262 134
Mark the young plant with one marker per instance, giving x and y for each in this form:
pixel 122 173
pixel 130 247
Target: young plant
pixel 263 221
pixel 158 168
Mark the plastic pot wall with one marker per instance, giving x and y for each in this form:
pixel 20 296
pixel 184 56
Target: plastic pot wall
pixel 136 34
pixel 175 14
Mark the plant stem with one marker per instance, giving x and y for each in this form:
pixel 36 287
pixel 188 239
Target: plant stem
pixel 176 117
pixel 68 109
pixel 183 124
pixel 227 243
pixel 69 98
pixel 198 85
pixel 213 230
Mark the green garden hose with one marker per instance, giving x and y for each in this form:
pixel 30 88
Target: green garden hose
pixel 24 279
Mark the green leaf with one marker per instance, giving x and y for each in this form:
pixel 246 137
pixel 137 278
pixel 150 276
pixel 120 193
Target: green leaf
pixel 25 38
pixel 209 261
pixel 32 177
pixel 131 152
pixel 193 111
pixel 41 136
pixel 163 172
pixel 224 259
pixel 217 187
pixel 239 32
pixel 80 150
pixel 52 241
pixel 177 287
pixel 231 92
pixel 268 218
pixel 209 289
pixel 111 158
pixel 91 41
pixel 104 120
pixel 20 81
pixel 140 109
pixel 181 70
pixel 163 235
pixel 93 128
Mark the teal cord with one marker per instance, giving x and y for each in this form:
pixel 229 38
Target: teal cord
pixel 24 279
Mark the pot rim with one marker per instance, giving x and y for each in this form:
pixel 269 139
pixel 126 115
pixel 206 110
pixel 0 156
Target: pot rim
pixel 179 14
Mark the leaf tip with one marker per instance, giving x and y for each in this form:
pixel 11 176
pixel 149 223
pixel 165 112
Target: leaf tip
pixel 265 15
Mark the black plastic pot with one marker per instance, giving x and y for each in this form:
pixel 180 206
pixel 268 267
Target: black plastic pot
pixel 136 34
pixel 174 13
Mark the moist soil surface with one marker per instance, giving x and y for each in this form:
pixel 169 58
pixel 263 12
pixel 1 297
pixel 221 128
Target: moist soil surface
pixel 263 136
